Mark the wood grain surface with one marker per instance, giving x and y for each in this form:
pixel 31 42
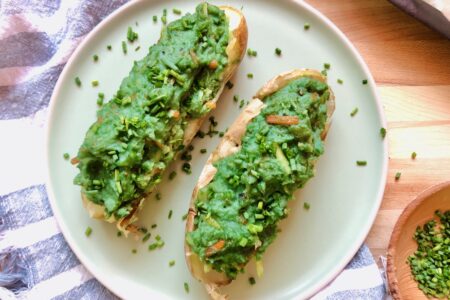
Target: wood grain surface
pixel 411 66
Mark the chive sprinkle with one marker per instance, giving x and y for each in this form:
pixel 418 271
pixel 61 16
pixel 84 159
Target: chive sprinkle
pixel 109 47
pixel 306 26
pixel 324 72
pixel 176 11
pixel 250 75
pixel 203 151
pixel 235 98
pixel 413 155
pixel 131 35
pixel 66 156
pixel 95 57
pixel 251 280
pixel 170 214
pixel 340 81
pixel 137 48
pixel 252 53
pixel 119 233
pixel 88 231
pixel 383 132
pixel 306 206
pixel 77 81
pixel 361 163
pixel 327 66
pixel 134 251
pixel 241 104
pixel 172 175
pixel 397 176
pixel 94 83
pixel 364 81
pixel 124 47
pixel 158 196
pixel 184 217
pixel 155 19
pixel 229 85
pixel 154 226
pixel 278 51
pixel 354 112
pixel 146 237
pixel 171 263
pixel 186 287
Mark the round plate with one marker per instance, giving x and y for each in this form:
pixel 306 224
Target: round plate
pixel 314 245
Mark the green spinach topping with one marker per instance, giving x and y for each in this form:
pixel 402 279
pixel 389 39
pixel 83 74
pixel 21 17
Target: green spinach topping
pixel 140 130
pixel 239 210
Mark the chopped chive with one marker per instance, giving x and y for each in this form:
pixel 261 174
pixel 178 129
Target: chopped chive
pixel 278 51
pixel 229 85
pixel 171 263
pixel 184 217
pixel 251 52
pixel 109 47
pixel 176 11
pixel 324 72
pixel 169 216
pixel 203 151
pixel 221 134
pixel 154 226
pixel 134 251
pixel 137 48
pixel 95 57
pixel 66 156
pixel 158 196
pixel 251 280
pixel 101 95
pixel 152 246
pixel 164 19
pixel 235 98
pixel 306 206
pixel 241 104
pixel 146 237
pixel 354 112
pixel 88 231
pixel 94 83
pixel 119 233
pixel 131 35
pixel 306 26
pixel 155 19
pixel 186 168
pixel 143 229
pixel 250 75
pixel 413 155
pixel 327 66
pixel 99 101
pixel 361 163
pixel 364 81
pixel 340 81
pixel 77 81
pixel 383 132
pixel 397 175
pixel 124 47
pixel 172 175
pixel 186 287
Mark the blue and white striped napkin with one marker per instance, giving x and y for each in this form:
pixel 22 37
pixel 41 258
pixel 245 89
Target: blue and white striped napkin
pixel 36 39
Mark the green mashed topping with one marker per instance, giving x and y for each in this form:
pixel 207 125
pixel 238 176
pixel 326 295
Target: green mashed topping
pixel 140 130
pixel 239 210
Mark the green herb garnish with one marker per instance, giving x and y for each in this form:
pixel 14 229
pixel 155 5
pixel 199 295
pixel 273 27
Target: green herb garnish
pixel 383 132
pixel 203 151
pixel 251 280
pixel 306 26
pixel 430 263
pixel 66 156
pixel 172 175
pixel 251 52
pixel 413 155
pixel 109 47
pixel 77 81
pixel 306 206
pixel 158 196
pixel 340 81
pixel 95 57
pixel 397 175
pixel 146 237
pixel 131 35
pixel 124 47
pixel 155 19
pixel 361 163
pixel 364 81
pixel 354 112
pixel 184 217
pixel 250 75
pixel 186 287
pixel 169 216
pixel 327 66
pixel 88 231
pixel 229 85
pixel 94 83
pixel 176 11
pixel 134 251
pixel 171 263
pixel 278 51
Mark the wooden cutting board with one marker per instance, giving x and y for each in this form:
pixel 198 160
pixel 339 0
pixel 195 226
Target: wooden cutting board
pixel 411 66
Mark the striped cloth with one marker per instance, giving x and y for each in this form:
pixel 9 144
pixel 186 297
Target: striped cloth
pixel 36 39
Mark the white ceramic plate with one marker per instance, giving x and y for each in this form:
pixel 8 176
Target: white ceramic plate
pixel 314 245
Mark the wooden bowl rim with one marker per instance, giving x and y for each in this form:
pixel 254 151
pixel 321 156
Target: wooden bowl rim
pixel 404 216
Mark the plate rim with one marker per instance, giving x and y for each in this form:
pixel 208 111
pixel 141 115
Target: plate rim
pixel 331 273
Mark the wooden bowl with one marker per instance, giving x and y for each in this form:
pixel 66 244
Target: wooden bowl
pixel 402 244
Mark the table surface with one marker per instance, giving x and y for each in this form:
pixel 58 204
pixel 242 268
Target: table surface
pixel 411 66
